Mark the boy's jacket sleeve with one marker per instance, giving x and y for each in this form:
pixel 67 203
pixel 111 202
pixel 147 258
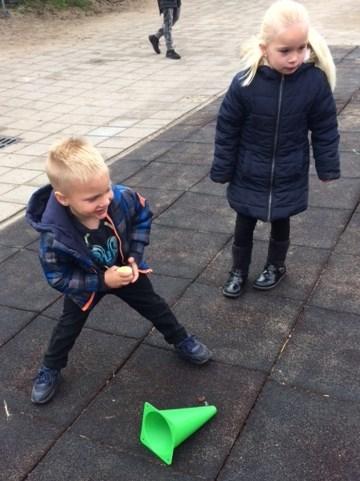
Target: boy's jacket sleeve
pixel 141 225
pixel 62 273
pixel 227 136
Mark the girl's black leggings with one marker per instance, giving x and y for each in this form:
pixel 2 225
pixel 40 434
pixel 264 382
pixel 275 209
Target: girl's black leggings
pixel 244 230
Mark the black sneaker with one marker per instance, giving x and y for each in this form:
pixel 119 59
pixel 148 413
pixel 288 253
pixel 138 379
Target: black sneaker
pixel 45 385
pixel 193 350
pixel 172 54
pixel 270 277
pixel 155 43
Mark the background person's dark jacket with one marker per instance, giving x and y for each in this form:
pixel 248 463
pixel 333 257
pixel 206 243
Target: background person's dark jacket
pixel 262 145
pixel 168 4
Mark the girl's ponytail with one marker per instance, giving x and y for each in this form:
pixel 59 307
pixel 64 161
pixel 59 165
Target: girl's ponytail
pixel 251 58
pixel 321 56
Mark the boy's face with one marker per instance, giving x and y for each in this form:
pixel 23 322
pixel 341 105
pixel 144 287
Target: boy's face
pixel 88 201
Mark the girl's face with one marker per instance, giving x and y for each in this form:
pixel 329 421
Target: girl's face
pixel 287 50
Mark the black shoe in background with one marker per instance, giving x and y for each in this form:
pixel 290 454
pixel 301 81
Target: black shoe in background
pixel 172 54
pixel 155 43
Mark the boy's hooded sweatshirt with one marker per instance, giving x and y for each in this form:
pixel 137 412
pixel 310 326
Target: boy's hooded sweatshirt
pixel 64 256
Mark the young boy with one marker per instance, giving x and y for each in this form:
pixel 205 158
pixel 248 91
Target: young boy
pixel 170 9
pixel 88 230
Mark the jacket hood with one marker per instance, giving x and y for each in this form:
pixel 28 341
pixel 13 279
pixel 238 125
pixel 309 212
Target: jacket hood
pixel 46 214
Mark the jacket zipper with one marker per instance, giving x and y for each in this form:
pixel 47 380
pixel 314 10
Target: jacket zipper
pixel 276 137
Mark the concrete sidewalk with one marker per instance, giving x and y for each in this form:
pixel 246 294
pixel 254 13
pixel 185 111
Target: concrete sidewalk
pixel 285 373
pixel 108 84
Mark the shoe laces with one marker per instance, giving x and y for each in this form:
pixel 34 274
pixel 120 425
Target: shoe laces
pixel 45 375
pixel 188 344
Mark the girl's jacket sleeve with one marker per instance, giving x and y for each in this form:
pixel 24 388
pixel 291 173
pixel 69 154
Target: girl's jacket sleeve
pixel 227 136
pixel 65 271
pixel 324 133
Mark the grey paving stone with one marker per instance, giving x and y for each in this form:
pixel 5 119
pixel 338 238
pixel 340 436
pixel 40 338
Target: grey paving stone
pixel 21 445
pixel 114 316
pixel 11 321
pixel 125 168
pixel 207 186
pixel 341 194
pixel 159 377
pixel 182 253
pixel 168 176
pixel 339 285
pixel 349 141
pixel 248 331
pixel 204 135
pixel 350 164
pixel 92 362
pixel 177 133
pixel 201 212
pixel 159 200
pixel 189 153
pixel 349 242
pixel 23 283
pixel 316 227
pixel 304 265
pixel 18 234
pixel 294 435
pixel 77 458
pixel 150 151
pixel 7 252
pixel 323 355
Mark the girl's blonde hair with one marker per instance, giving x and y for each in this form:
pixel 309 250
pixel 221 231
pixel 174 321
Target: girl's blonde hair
pixel 280 15
pixel 73 160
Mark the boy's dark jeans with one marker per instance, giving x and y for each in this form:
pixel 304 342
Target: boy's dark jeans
pixel 140 296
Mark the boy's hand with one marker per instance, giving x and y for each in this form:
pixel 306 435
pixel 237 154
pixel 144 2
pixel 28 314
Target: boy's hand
pixel 134 268
pixel 115 278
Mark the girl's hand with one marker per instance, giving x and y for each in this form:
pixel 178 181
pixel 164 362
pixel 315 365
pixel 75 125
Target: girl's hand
pixel 134 268
pixel 115 278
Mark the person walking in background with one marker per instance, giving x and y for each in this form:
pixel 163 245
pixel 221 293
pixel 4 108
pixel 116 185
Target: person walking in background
pixel 170 9
pixel 283 91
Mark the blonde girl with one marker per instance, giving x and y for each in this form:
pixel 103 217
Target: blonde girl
pixel 283 92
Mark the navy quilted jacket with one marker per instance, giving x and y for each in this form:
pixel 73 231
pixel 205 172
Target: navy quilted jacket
pixel 64 256
pixel 262 141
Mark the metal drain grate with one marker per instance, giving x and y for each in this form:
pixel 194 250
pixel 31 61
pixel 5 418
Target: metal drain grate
pixel 4 141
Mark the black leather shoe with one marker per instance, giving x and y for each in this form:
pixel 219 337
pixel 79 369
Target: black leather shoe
pixel 155 43
pixel 45 385
pixel 234 286
pixel 270 277
pixel 172 54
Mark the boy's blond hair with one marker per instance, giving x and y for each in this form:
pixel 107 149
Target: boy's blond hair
pixel 73 160
pixel 282 14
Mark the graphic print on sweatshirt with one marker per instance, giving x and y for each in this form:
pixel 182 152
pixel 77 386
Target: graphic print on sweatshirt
pixel 102 244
